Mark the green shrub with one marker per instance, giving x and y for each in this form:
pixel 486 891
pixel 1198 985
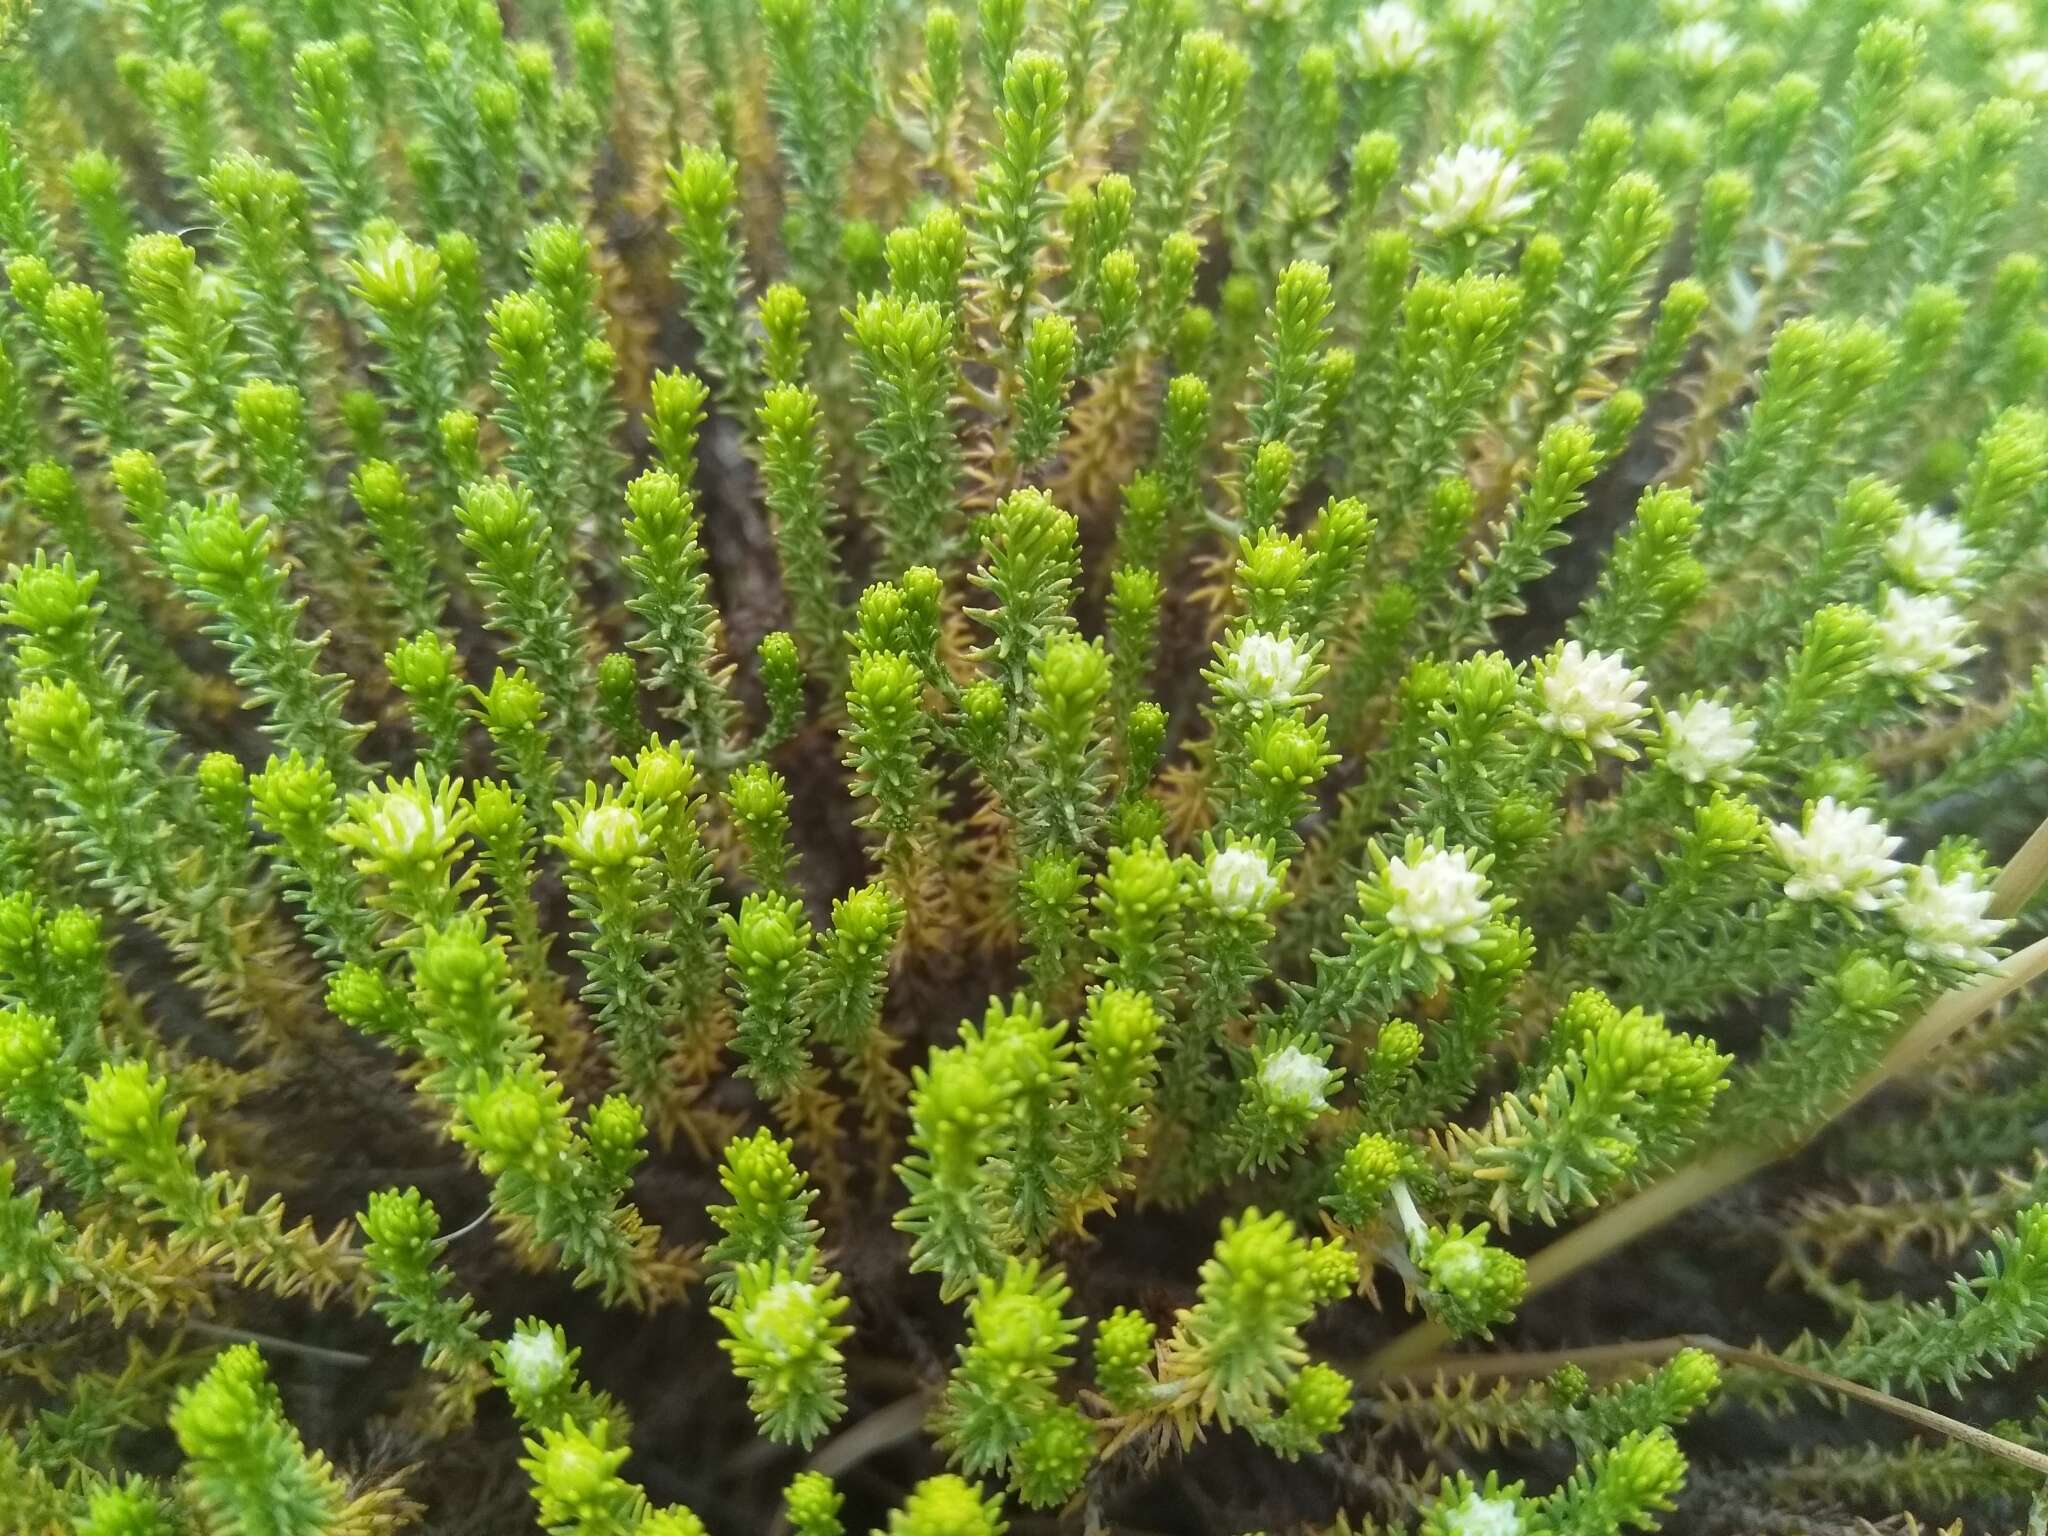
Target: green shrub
pixel 991 765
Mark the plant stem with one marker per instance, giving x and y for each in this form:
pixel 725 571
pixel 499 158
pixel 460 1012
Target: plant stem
pixel 1540 1364
pixel 1653 1207
pixel 2022 875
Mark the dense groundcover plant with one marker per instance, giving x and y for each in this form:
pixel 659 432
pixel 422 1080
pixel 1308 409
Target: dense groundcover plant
pixel 1148 765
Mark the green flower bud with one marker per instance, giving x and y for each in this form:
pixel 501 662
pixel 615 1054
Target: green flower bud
pixel 948 1506
pixel 1363 1179
pixel 812 1501
pixel 1472 1286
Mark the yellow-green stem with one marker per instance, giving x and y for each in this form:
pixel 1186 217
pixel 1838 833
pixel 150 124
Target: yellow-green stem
pixel 1541 1364
pixel 1653 1207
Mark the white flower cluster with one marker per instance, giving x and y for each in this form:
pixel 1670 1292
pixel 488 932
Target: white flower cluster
pixel 1839 853
pixel 1265 669
pixel 784 1318
pixel 1944 919
pixel 1928 552
pixel 608 836
pixel 408 822
pixel 1241 881
pixel 1996 24
pixel 2025 75
pixel 401 273
pixel 1474 189
pixel 1292 1076
pixel 1922 638
pixel 1481 1516
pixel 1391 41
pixel 1707 742
pixel 1438 901
pixel 1701 49
pixel 534 1359
pixel 1592 697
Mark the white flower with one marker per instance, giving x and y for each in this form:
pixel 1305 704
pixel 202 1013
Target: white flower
pixel 1839 853
pixel 1391 40
pixel 1701 48
pixel 1473 189
pixel 1944 919
pixel 1782 12
pixel 398 274
pixel 407 823
pixel 608 836
pixel 1996 24
pixel 1920 637
pixel 534 1359
pixel 1479 1516
pixel 1457 1262
pixel 2026 74
pixel 1589 696
pixel 408 818
pixel 215 288
pixel 1436 902
pixel 1928 551
pixel 1267 669
pixel 1292 1076
pixel 784 1318
pixel 1706 742
pixel 1241 881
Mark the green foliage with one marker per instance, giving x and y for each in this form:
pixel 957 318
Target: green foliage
pixel 244 1462
pixel 682 630
pixel 781 1306
pixel 133 1133
pixel 770 1200
pixel 768 948
pixel 704 195
pixel 522 569
pixel 1237 1356
pixel 907 374
pixel 1622 1097
pixel 230 567
pixel 1001 1410
pixel 1995 1319
pixel 1423 615
pixel 605 844
pixel 414 1292
pixel 797 486
pixel 783 1336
